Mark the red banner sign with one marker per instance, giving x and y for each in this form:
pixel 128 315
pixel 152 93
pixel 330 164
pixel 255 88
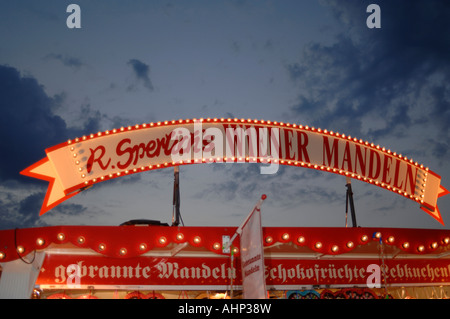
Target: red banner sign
pixel 82 271
pixel 80 163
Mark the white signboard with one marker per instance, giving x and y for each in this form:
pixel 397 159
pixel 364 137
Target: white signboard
pixel 252 258
pixel 80 163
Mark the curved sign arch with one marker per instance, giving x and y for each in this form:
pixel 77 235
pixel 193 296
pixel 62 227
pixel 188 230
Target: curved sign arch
pixel 80 163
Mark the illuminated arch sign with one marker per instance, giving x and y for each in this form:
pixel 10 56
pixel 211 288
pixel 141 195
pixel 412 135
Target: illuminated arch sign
pixel 80 163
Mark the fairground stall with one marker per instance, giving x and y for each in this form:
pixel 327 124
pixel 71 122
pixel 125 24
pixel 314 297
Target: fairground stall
pixel 148 259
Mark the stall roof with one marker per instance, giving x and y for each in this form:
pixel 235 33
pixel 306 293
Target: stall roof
pixel 286 242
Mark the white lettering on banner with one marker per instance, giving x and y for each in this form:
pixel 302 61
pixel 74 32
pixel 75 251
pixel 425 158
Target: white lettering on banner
pixel 79 270
pixel 166 270
pixel 426 272
pixel 169 270
pixel 354 274
pixel 281 272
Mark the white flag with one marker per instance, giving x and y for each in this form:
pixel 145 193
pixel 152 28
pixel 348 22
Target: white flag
pixel 252 256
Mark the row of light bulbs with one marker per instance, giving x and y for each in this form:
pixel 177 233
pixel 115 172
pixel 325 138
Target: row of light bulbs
pixel 265 161
pixel 418 198
pixel 364 238
pixel 162 240
pixel 248 121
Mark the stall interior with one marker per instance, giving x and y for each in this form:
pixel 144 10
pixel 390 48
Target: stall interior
pixel 428 292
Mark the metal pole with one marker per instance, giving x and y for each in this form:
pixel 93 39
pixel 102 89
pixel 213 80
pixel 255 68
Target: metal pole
pixel 176 197
pixel 350 198
pixel 346 209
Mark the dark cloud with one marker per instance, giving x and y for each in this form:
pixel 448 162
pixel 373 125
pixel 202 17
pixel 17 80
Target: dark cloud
pixel 20 213
pixel 88 121
pixel 142 73
pixel 25 213
pixel 28 126
pixel 28 210
pixel 69 209
pixel 389 86
pixel 69 61
pixel 377 82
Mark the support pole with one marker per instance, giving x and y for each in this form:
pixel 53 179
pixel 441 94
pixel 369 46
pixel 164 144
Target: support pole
pixel 349 199
pixel 176 198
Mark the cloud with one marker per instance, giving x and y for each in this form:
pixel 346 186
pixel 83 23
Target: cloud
pixel 28 126
pixel 380 83
pixel 30 204
pixel 290 186
pixel 142 73
pixel 88 121
pixel 389 86
pixel 68 61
